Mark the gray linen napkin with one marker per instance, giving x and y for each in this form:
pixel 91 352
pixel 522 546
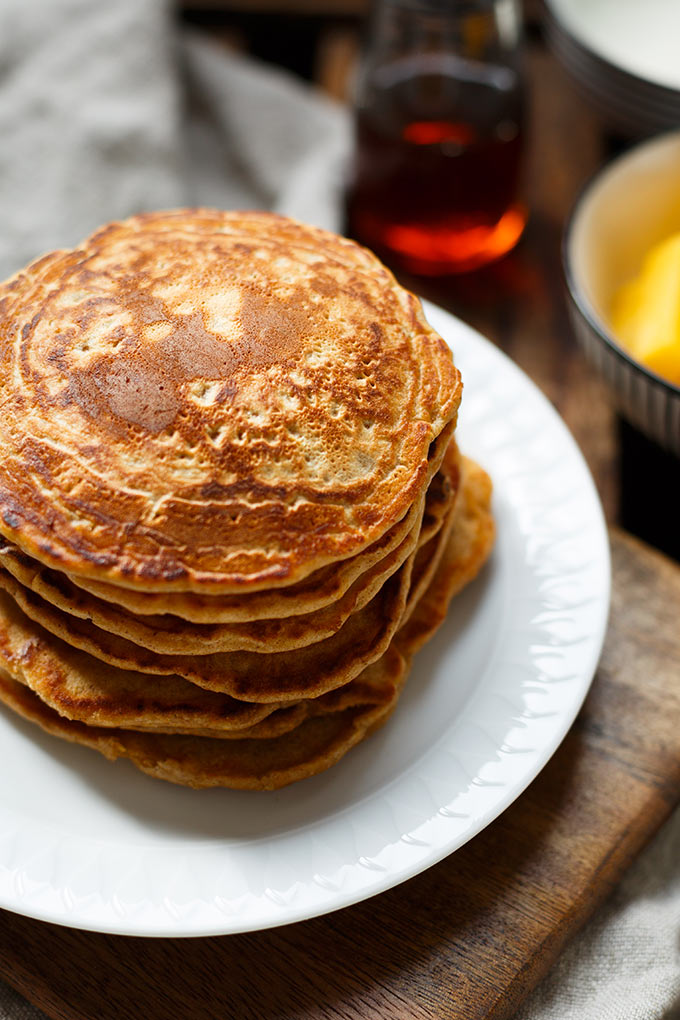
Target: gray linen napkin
pixel 625 965
pixel 107 109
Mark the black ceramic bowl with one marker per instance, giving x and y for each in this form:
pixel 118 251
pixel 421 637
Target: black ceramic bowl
pixel 626 209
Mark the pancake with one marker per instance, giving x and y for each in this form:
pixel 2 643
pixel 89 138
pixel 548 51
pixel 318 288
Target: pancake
pixel 202 762
pixel 318 742
pixel 248 676
pixel 467 547
pixel 82 688
pixel 317 591
pixel 198 401
pixel 172 635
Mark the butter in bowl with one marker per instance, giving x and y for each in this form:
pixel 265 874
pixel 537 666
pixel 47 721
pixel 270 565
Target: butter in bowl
pixel 622 264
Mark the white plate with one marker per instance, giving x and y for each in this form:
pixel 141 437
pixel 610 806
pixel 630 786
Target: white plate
pixel 97 845
pixel 640 38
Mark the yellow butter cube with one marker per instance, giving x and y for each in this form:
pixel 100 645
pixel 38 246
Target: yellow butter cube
pixel 645 314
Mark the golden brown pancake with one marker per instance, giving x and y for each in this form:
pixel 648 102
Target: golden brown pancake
pixel 231 506
pixel 213 402
pixel 84 689
pixel 318 590
pixel 170 634
pixel 466 549
pixel 248 676
pixel 319 741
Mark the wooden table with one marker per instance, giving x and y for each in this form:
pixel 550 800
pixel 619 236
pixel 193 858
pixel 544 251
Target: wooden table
pixel 470 937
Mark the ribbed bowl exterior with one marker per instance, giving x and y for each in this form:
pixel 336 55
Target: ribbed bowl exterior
pixel 649 403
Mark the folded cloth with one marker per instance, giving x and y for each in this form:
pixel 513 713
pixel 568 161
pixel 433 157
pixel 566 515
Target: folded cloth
pixel 107 109
pixel 625 964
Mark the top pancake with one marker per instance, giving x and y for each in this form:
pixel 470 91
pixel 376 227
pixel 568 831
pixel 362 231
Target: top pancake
pixel 213 402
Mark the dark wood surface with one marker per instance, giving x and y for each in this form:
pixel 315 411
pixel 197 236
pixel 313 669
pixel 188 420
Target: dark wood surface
pixel 467 939
pixel 470 937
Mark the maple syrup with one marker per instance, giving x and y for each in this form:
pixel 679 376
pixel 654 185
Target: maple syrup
pixel 436 178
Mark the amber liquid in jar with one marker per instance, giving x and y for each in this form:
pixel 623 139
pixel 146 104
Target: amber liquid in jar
pixel 436 176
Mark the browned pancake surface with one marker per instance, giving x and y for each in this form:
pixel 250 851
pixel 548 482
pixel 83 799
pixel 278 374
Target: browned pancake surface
pixel 83 689
pixel 317 741
pixel 248 676
pixel 318 590
pixel 172 635
pixel 215 402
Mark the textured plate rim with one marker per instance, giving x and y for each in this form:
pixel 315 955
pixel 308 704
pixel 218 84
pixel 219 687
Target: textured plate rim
pixel 370 875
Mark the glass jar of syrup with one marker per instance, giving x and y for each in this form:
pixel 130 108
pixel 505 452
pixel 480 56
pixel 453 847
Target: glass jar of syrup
pixel 435 184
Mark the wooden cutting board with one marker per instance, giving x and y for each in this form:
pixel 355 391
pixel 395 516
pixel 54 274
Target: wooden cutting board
pixel 469 938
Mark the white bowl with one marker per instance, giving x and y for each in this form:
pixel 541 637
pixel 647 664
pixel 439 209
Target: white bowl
pixel 623 55
pixel 623 212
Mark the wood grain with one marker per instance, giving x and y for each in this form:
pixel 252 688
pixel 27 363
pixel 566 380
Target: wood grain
pixel 467 939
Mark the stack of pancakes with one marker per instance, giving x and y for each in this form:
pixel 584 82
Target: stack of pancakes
pixel 231 503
